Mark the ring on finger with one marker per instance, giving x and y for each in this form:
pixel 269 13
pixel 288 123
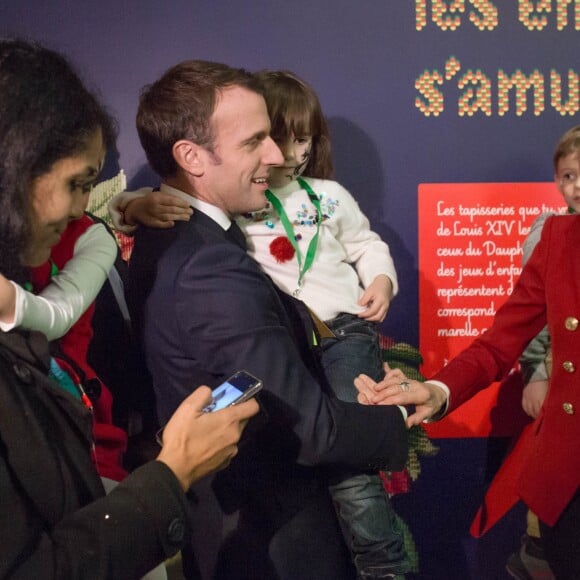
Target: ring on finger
pixel 405 386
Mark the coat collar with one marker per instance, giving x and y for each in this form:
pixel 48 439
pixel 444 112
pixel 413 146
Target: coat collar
pixel 46 433
pixel 29 347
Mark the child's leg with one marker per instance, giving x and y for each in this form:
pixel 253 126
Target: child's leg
pixel 355 350
pixel 533 525
pixel 368 519
pixel 529 561
pixel 362 503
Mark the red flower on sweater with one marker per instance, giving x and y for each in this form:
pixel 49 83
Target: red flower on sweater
pixel 282 249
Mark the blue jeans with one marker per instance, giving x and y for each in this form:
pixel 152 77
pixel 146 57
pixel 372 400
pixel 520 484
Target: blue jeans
pixel 362 504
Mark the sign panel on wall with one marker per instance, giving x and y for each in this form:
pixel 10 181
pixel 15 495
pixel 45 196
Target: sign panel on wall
pixel 470 256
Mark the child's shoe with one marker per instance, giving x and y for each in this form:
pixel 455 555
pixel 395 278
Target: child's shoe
pixel 529 562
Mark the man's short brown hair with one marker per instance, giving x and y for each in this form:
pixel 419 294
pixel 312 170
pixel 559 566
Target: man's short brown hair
pixel 179 106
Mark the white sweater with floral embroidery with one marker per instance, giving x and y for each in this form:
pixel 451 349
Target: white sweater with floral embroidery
pixel 349 256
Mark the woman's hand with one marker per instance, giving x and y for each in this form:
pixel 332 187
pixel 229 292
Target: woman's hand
pixel 197 443
pixel 397 389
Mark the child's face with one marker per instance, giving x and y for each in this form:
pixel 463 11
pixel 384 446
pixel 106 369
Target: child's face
pixel 296 151
pixel 568 180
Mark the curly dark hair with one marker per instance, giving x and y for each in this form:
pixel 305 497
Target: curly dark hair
pixel 46 114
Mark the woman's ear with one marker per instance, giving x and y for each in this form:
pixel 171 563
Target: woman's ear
pixel 189 156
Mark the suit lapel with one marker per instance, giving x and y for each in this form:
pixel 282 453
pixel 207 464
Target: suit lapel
pixel 293 313
pixel 235 234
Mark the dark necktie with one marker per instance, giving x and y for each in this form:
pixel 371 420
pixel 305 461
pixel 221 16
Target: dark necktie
pixel 235 234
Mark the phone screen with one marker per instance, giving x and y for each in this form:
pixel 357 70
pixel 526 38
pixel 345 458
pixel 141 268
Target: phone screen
pixel 242 386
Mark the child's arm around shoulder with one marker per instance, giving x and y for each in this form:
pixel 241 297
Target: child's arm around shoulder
pixel 59 306
pixel 155 209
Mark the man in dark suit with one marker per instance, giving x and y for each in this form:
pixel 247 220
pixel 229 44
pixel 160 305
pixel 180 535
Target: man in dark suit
pixel 206 310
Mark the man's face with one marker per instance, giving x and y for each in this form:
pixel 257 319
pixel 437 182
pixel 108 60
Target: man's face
pixel 568 180
pixel 235 177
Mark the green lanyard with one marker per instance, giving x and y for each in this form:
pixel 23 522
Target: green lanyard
pixel 303 267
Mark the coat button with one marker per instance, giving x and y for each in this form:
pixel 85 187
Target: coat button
pixel 569 366
pixel 23 373
pixel 571 323
pixel 568 408
pixel 176 531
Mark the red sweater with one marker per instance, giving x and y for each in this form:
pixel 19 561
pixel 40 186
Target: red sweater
pixel 110 441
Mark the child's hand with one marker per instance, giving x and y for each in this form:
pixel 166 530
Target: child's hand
pixel 533 397
pixel 157 210
pixel 377 298
pixel 7 300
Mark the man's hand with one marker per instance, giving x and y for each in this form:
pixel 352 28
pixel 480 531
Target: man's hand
pixel 397 389
pixel 156 210
pixel 197 443
pixel 376 298
pixel 533 397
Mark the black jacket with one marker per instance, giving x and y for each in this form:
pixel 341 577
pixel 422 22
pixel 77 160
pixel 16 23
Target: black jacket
pixel 54 520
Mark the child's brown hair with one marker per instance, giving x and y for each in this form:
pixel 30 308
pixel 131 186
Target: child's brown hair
pixel 568 143
pixel 294 109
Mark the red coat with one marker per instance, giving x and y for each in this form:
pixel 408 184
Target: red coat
pixel 545 467
pixel 110 440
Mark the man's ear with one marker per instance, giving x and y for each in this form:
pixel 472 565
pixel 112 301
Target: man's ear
pixel 189 156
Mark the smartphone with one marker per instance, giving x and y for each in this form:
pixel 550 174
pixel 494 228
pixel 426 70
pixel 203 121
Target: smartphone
pixel 238 388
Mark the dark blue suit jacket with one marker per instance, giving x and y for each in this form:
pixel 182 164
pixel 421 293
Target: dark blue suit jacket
pixel 206 310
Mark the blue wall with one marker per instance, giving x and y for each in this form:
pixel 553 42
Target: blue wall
pixel 363 57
